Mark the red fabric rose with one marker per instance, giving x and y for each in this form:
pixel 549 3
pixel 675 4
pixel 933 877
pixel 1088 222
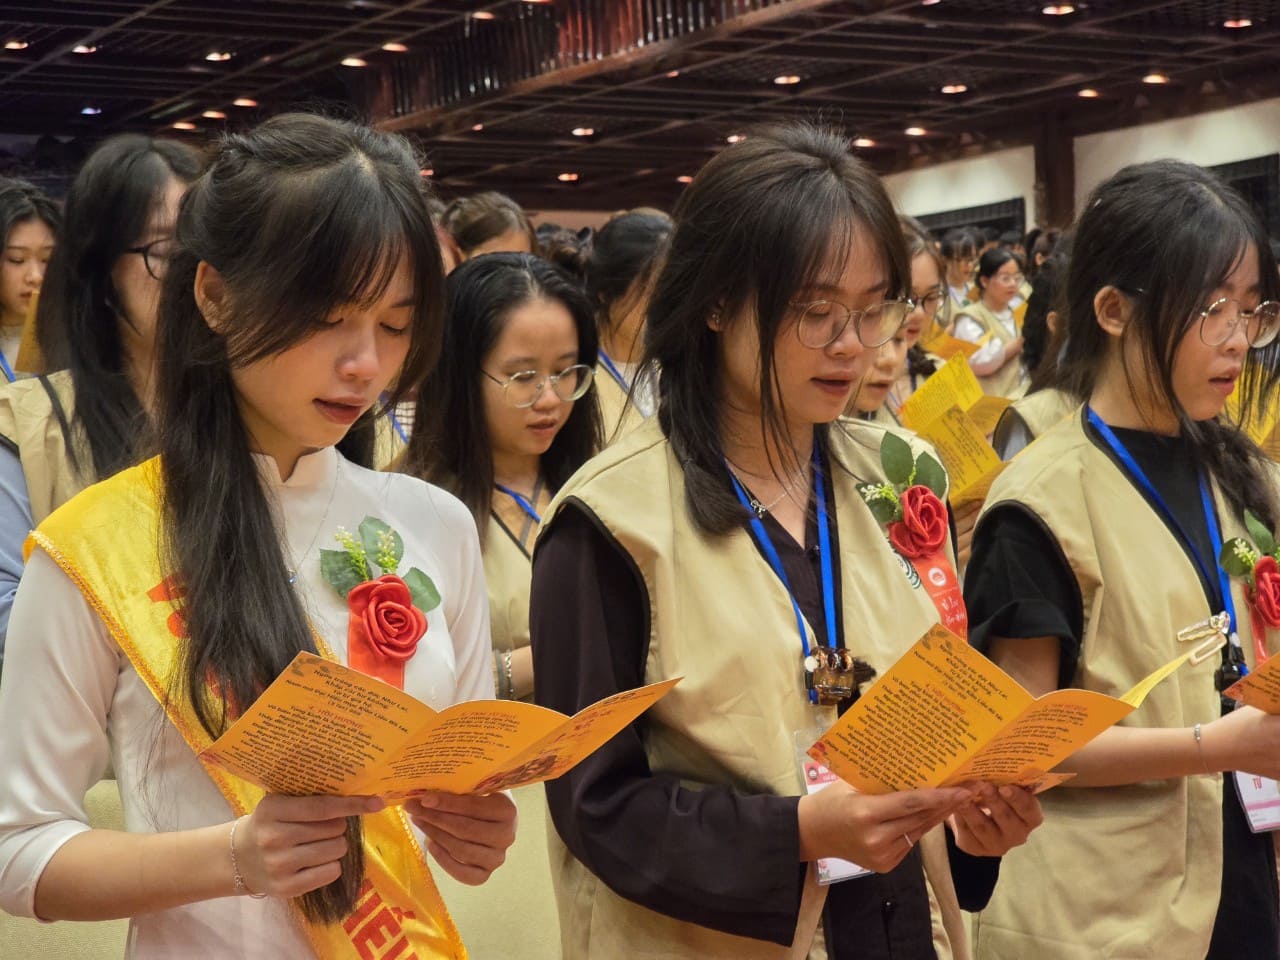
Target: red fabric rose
pixel 923 527
pixel 383 628
pixel 1265 595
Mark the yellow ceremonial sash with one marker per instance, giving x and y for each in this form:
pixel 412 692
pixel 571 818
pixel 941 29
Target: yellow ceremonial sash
pixel 399 913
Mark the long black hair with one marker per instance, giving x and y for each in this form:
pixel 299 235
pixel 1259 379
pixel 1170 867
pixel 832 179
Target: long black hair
pixel 628 249
pixel 760 222
pixel 300 216
pixel 107 210
pixel 1042 345
pixel 475 220
pixel 1167 234
pixel 450 443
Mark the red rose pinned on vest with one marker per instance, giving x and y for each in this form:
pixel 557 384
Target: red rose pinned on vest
pixel 387 614
pixel 1259 568
pixel 910 505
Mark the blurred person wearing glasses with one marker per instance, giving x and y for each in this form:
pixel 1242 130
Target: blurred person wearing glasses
pixel 87 415
pixel 989 322
pixel 505 420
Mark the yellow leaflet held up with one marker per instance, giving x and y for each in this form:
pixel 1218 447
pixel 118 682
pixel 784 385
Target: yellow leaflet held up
pixel 323 728
pixel 942 344
pixel 971 462
pixel 951 385
pixel 1261 688
pixel 944 714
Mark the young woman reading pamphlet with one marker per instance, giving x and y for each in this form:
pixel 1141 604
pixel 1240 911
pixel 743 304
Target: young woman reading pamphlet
pixel 727 540
pixel 157 606
pixel 1100 545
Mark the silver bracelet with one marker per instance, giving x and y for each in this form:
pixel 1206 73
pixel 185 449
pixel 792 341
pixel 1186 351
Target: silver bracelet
pixel 241 888
pixel 508 680
pixel 1200 746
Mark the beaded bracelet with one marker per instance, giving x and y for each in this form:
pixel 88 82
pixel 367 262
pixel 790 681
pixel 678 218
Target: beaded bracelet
pixel 241 887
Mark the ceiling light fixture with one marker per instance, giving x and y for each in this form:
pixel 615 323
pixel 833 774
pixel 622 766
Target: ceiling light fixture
pixel 244 102
pixel 354 62
pixel 16 45
pixel 583 131
pixel 84 48
pixel 1155 79
pixel 1237 24
pixel 477 127
pixel 184 125
pixel 214 115
pixel 484 15
pixel 218 56
pixel 672 74
pixel 915 131
pixel 568 178
pixel 786 80
pixel 929 3
pixel 866 141
pixel 90 111
pixel 1088 93
pixel 684 179
pixel 954 88
pixel 393 47
pixel 735 138
pixel 426 172
pixel 1058 9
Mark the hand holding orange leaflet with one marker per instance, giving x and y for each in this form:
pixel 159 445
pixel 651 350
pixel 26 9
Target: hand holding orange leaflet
pixel 323 728
pixel 944 714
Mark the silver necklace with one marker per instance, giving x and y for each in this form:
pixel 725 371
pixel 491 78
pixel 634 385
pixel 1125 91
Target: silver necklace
pixel 324 514
pixel 762 508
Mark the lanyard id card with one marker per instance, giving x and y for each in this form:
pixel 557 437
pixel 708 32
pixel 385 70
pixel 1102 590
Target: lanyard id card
pixel 817 777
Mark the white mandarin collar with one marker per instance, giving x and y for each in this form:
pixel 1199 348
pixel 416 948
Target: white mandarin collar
pixel 312 471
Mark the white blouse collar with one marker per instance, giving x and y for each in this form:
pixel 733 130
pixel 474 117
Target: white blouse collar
pixel 313 470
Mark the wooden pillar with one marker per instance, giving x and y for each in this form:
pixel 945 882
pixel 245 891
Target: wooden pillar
pixel 1055 173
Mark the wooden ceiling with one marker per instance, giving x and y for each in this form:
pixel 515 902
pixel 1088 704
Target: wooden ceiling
pixel 496 91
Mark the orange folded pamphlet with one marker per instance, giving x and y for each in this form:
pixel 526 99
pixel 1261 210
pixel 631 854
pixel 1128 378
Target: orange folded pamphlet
pixel 945 714
pixel 323 728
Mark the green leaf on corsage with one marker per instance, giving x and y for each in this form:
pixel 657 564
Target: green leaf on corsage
pixel 882 502
pixel 1261 535
pixel 425 595
pixel 381 543
pixel 898 460
pixel 1238 558
pixel 930 473
pixel 341 571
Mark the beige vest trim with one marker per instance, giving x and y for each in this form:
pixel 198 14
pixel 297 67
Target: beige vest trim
pixel 507 573
pixel 731 720
pixel 1009 380
pixel 28 420
pixel 1131 871
pixel 1042 410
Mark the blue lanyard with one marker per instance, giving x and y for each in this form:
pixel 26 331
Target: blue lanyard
pixel 761 537
pixel 1210 518
pixel 614 372
pixel 395 423
pixel 523 502
pixel 8 370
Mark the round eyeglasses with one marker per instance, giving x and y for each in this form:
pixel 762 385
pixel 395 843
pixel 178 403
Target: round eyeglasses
pixel 155 256
pixel 823 322
pixel 1220 320
pixel 523 389
pixel 929 304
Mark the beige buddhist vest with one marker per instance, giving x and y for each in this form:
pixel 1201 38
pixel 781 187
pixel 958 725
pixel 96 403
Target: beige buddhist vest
pixel 1117 872
pixel 29 420
pixel 507 574
pixel 1039 411
pixel 721 619
pixel 1009 380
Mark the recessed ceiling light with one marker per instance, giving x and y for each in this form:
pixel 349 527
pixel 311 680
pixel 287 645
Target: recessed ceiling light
pixel 786 80
pixel 954 88
pixel 16 45
pixel 354 62
pixel 568 178
pixel 583 131
pixel 90 111
pixel 1155 79
pixel 735 138
pixel 929 3
pixel 244 102
pixel 1239 24
pixel 684 179
pixel 393 47
pixel 426 172
pixel 915 131
pixel 1058 9
pixel 477 127
pixel 214 115
pixel 484 15
pixel 672 74
pixel 218 56
pixel 84 48
pixel 184 125
pixel 866 141
pixel 1088 93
